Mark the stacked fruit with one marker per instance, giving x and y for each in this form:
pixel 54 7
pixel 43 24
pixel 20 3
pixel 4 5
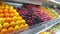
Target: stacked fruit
pixel 10 20
pixel 48 12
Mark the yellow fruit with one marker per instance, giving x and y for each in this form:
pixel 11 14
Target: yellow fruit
pixel 6 7
pixel 0 27
pixel 17 28
pixel 19 18
pixel 22 26
pixel 14 18
pixel 2 7
pixel 2 20
pixel 14 11
pixel 16 14
pixel 18 22
pixel 23 21
pixel 11 7
pixel 12 24
pixel 6 25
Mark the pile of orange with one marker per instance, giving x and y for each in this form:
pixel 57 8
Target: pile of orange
pixel 10 20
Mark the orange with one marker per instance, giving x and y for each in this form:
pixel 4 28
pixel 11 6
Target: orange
pixel 10 29
pixel 12 24
pixel 26 25
pixel 4 31
pixel 11 14
pixel 5 11
pixel 6 14
pixel 10 10
pixel 1 10
pixel 8 19
pixel 1 15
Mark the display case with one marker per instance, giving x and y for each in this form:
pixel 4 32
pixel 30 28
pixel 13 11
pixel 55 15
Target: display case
pixel 35 29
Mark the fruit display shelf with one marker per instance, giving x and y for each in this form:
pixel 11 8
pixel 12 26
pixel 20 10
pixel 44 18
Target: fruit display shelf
pixel 41 28
pixel 38 28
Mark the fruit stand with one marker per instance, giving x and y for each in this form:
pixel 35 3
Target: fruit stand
pixel 27 17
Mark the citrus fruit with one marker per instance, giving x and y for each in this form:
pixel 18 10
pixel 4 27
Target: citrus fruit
pixel 19 18
pixel 5 10
pixel 14 11
pixel 26 25
pixel 1 15
pixel 2 20
pixel 16 14
pixel 2 7
pixel 1 10
pixel 6 25
pixel 4 31
pixel 22 26
pixel 8 19
pixel 6 14
pixel 10 29
pixel 17 28
pixel 11 14
pixel 18 22
pixel 12 24
pixel 11 7
pixel 14 18
pixel 0 27
pixel 23 21
pixel 6 7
